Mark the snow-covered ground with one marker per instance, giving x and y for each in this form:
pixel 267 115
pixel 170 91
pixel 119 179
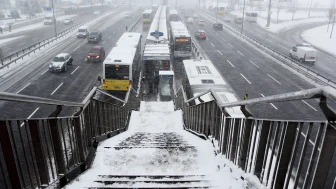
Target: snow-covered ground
pixel 4 41
pixel 152 146
pixel 322 40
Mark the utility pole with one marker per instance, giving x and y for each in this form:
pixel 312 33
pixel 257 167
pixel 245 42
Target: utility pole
pixel 52 6
pixel 310 8
pixel 243 19
pixel 217 11
pixel 269 14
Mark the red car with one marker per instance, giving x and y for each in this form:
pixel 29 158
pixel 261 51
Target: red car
pixel 200 34
pixel 96 54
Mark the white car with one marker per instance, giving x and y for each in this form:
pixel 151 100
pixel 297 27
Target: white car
pixel 96 12
pixel 68 21
pixel 190 20
pixel 60 62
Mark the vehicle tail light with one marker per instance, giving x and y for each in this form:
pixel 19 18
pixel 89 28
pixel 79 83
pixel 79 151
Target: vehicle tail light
pixel 130 82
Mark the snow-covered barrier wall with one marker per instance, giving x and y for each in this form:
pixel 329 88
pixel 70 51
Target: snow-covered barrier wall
pixel 281 153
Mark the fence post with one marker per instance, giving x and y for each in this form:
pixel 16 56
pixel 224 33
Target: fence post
pixel 9 156
pixel 57 145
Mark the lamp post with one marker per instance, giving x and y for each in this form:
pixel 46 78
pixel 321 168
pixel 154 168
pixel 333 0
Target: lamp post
pixel 217 10
pixel 269 14
pixel 52 6
pixel 241 31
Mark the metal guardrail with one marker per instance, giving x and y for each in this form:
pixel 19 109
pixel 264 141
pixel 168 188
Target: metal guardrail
pixel 49 152
pixel 13 58
pixel 280 153
pixel 317 77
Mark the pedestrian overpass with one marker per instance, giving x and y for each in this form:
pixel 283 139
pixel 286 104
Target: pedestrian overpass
pixel 137 144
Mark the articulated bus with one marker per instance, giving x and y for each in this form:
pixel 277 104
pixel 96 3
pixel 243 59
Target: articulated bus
pixel 200 76
pixel 180 40
pixel 173 16
pixel 147 16
pixel 251 16
pixel 122 63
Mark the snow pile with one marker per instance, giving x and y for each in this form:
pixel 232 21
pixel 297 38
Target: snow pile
pixel 276 28
pixel 6 40
pixel 322 40
pixel 156 144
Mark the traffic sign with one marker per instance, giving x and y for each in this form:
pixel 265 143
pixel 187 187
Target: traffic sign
pixel 156 34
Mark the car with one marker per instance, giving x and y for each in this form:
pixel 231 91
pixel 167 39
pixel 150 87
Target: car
pixel 95 36
pixel 195 16
pixel 201 23
pixel 68 21
pixel 217 26
pixel 83 32
pixel 96 54
pixel 127 15
pixel 304 53
pixel 200 34
pixel 227 19
pixel 96 12
pixel 190 20
pixel 60 62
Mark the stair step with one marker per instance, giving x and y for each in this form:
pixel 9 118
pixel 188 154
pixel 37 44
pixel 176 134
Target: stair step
pixel 161 147
pixel 152 176
pixel 129 182
pixel 156 187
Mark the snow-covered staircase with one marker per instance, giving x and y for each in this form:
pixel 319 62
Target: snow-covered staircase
pixel 155 152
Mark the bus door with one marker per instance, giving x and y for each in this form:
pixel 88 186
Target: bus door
pixel 166 85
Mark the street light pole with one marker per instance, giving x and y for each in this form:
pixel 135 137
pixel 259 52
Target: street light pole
pixel 217 11
pixel 52 6
pixel 243 19
pixel 269 14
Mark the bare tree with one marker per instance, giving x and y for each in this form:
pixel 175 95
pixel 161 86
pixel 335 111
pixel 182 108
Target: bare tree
pixel 279 5
pixel 331 12
pixel 294 6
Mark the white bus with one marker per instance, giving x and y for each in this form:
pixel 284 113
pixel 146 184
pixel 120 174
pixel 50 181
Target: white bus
pixel 173 16
pixel 180 40
pixel 147 16
pixel 200 76
pixel 251 16
pixel 121 65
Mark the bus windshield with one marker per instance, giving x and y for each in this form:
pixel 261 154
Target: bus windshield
pixel 120 72
pixel 182 46
pixel 146 15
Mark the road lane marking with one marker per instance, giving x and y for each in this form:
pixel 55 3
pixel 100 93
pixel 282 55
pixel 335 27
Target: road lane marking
pixel 220 52
pixel 21 44
pixel 23 88
pixel 271 103
pixel 109 37
pixel 31 115
pixel 85 59
pixel 240 53
pixel 245 78
pixel 230 63
pixel 274 79
pixel 44 72
pixel 114 32
pixel 324 67
pixel 103 42
pixel 57 88
pixel 213 45
pixel 35 38
pixel 309 105
pixel 74 70
pixel 217 34
pixel 223 39
pixel 76 49
pixel 230 44
pixel 282 46
pixel 254 64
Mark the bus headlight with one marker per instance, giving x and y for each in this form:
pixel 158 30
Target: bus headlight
pixel 97 56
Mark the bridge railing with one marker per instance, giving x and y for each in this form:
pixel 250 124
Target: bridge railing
pixel 48 152
pixel 281 153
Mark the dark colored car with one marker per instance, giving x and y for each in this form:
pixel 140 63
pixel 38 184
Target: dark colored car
pixel 96 54
pixel 218 26
pixel 95 36
pixel 200 34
